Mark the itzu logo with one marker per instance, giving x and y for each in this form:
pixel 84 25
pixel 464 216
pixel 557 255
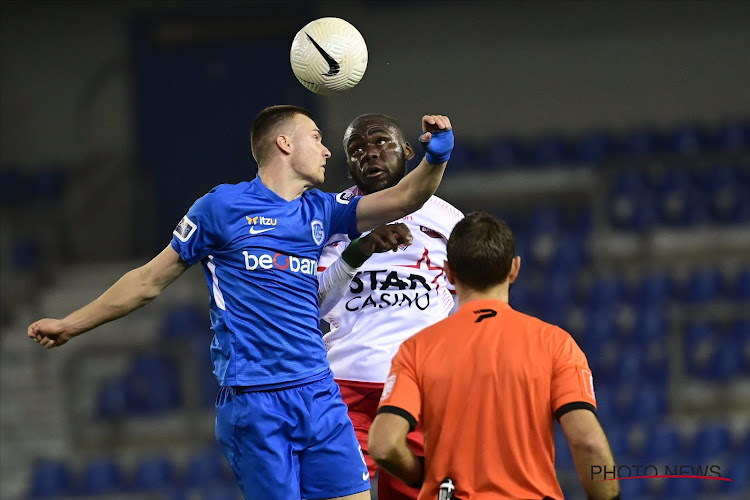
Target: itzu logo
pixel 260 221
pixel 318 233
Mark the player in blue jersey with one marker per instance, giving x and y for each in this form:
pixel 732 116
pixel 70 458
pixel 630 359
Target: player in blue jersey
pixel 279 415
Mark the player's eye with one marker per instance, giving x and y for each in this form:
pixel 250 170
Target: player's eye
pixel 380 142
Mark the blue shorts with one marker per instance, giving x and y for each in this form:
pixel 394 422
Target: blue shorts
pixel 291 443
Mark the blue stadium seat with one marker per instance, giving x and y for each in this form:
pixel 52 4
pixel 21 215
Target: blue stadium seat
pixel 655 288
pixel 630 365
pixel 545 219
pixel 51 478
pixel 600 327
pixel 672 178
pixel 206 466
pixel 733 136
pixel 643 142
pixel 606 408
pixel 112 399
pixel 701 342
pixel 729 362
pixel 505 152
pixel 563 457
pixel 630 181
pixel 102 476
pixel 570 254
pixel 154 473
pixel 153 384
pixel 549 150
pixel 462 156
pixel 595 148
pixel 683 488
pixel 737 471
pixel 633 212
pixel 740 289
pixel 689 140
pixel 617 436
pixel 220 491
pixel 655 362
pixel 711 440
pixel 648 404
pixel 651 323
pixel 49 183
pixel 14 187
pixel 186 320
pixel 663 443
pixel 703 285
pixel 683 207
pixel 632 488
pixel 25 254
pixel 606 291
pixel 740 333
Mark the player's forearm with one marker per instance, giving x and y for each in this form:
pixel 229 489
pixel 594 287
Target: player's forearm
pixel 130 292
pixel 401 462
pixel 421 183
pixel 586 455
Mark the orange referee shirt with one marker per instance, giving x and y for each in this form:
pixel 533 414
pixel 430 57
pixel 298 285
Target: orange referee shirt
pixel 486 385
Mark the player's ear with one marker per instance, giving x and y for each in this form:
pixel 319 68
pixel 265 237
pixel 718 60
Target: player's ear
pixel 284 143
pixel 448 273
pixel 408 151
pixel 515 266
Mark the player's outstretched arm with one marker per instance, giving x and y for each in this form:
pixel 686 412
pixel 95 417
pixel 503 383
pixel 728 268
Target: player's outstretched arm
pixel 418 185
pixel 333 281
pixel 589 447
pixel 136 288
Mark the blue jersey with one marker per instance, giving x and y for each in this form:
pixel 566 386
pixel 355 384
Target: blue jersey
pixel 260 256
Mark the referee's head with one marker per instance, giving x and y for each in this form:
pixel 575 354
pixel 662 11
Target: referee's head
pixel 482 253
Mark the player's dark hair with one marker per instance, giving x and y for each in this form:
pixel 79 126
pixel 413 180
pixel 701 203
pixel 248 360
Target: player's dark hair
pixel 481 249
pixel 266 126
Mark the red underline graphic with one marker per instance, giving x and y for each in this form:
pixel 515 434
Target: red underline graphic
pixel 667 477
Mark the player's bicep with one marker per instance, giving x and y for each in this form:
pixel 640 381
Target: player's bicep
pixel 402 393
pixel 163 269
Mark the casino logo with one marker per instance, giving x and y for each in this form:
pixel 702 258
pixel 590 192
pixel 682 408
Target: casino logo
pixel 318 233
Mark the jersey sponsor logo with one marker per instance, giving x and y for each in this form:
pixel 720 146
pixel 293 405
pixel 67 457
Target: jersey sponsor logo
pixel 431 232
pixel 280 261
pixel 388 387
pixel 588 382
pixel 484 314
pixel 260 221
pixel 384 288
pixel 318 233
pixel 345 197
pixel 185 229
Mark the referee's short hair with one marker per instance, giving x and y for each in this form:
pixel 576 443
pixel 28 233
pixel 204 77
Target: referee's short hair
pixel 481 249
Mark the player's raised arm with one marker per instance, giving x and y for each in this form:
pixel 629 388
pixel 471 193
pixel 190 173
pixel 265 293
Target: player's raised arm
pixel 136 288
pixel 415 188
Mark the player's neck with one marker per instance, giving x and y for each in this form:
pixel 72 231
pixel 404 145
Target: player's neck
pixel 280 182
pixel 466 294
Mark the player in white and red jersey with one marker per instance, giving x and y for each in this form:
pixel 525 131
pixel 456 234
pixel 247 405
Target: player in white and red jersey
pixel 392 295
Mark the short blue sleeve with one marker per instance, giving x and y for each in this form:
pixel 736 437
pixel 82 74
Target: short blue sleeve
pixel 344 213
pixel 199 233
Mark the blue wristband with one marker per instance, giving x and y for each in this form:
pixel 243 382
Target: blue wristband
pixel 438 148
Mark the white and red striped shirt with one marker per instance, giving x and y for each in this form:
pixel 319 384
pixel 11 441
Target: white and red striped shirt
pixel 392 296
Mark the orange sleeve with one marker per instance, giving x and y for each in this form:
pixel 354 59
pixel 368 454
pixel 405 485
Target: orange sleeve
pixel 572 382
pixel 401 394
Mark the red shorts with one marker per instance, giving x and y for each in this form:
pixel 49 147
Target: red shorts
pixel 362 398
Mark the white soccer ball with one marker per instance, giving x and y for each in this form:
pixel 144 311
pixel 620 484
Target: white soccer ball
pixel 328 56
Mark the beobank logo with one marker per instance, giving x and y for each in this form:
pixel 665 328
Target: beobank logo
pixel 280 261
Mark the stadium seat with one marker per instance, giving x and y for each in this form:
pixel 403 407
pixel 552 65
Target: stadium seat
pixel 153 384
pixel 633 212
pixel 711 441
pixel 648 404
pixel 632 488
pixel 689 140
pixel 737 471
pixel 606 291
pixel 206 466
pixel 663 443
pixel 595 148
pixel 701 346
pixel 683 488
pixel 729 362
pixel 549 150
pixel 655 361
pixel 112 398
pixel 739 290
pixel 51 478
pixel 186 320
pixel 563 457
pixel 600 327
pixel 630 365
pixel 703 285
pixel 683 207
pixel 25 254
pixel 220 491
pixel 14 187
pixel 655 289
pixel 740 332
pixel 733 136
pixel 505 152
pixel 570 254
pixel 101 476
pixel 48 183
pixel 651 323
pixel 643 142
pixel 154 473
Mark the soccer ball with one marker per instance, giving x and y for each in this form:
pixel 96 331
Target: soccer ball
pixel 328 56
